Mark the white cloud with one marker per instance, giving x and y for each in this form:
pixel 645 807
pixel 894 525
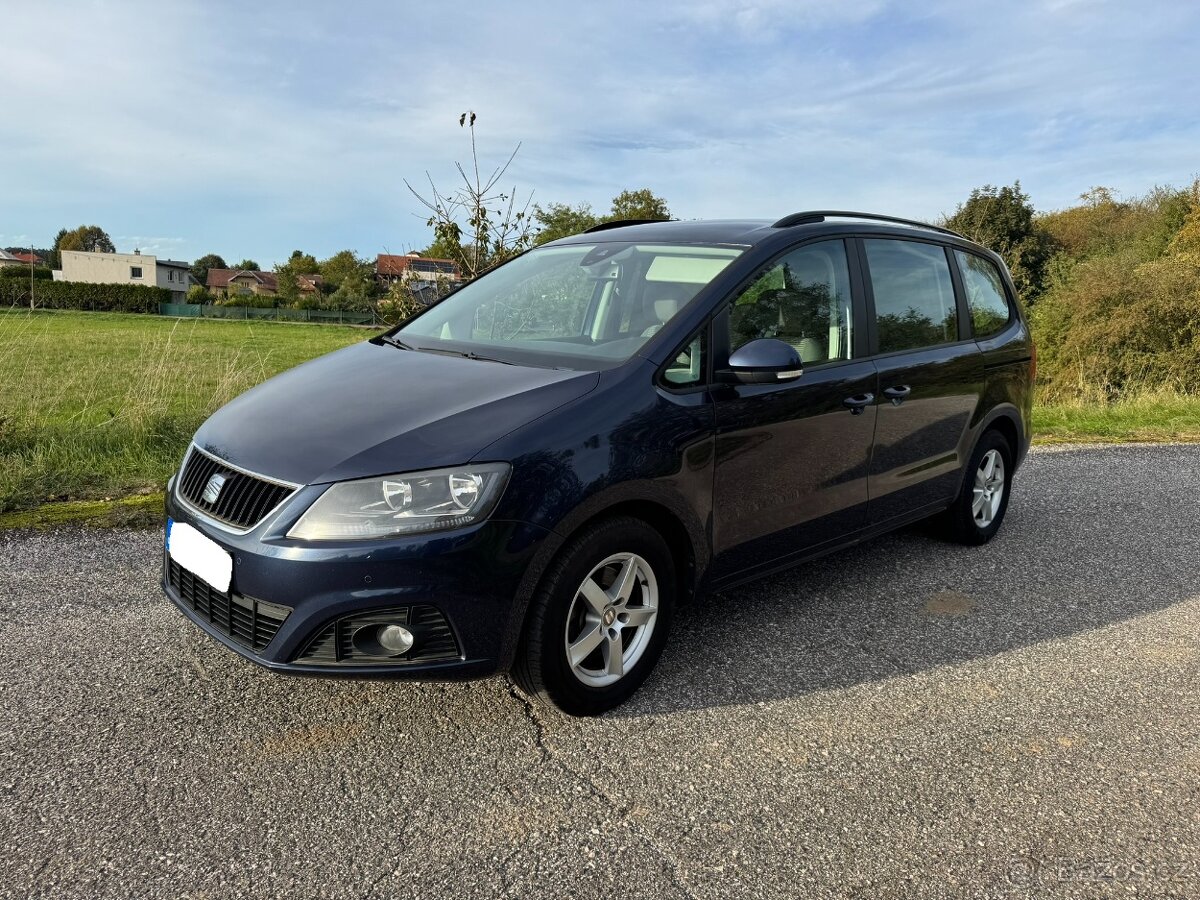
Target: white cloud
pixel 158 246
pixel 255 130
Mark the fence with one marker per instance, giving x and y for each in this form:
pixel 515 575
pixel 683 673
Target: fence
pixel 207 311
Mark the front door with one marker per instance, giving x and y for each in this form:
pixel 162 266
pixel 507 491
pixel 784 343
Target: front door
pixel 792 459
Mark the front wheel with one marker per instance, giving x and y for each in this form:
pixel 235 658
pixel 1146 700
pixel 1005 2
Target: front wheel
pixel 598 623
pixel 979 509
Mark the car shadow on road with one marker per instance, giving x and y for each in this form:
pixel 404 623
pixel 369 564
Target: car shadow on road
pixel 910 602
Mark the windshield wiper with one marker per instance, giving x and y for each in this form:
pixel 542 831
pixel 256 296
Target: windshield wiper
pixel 467 354
pixel 395 342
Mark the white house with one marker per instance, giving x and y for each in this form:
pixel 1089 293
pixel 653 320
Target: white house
pixel 126 268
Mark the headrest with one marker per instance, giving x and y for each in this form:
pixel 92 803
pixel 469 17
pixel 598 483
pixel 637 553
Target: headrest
pixel 666 308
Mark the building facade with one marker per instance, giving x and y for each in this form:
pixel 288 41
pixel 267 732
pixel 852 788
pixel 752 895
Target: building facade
pixel 390 268
pixel 232 282
pixel 126 268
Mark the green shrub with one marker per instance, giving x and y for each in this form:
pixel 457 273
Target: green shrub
pixel 40 273
pixel 1120 317
pixel 133 298
pixel 1115 328
pixel 199 294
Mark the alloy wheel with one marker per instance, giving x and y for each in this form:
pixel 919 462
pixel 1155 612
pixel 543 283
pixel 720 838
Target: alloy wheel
pixel 989 488
pixel 611 619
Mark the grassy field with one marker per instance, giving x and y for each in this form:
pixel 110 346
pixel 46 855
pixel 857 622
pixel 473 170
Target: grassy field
pixel 96 407
pixel 1150 417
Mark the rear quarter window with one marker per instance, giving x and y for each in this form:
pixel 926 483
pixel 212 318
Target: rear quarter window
pixel 986 297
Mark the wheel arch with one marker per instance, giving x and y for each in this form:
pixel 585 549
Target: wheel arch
pixel 1006 420
pixel 663 510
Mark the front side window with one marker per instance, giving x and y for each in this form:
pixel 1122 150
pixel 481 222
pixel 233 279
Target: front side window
pixel 586 305
pixel 135 271
pixel 914 295
pixel 986 297
pixel 802 299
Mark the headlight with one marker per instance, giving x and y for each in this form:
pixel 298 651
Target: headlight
pixel 403 504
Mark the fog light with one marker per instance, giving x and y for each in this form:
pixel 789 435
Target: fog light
pixel 382 640
pixel 395 639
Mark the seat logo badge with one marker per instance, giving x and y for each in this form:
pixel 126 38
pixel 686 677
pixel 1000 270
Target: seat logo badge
pixel 212 490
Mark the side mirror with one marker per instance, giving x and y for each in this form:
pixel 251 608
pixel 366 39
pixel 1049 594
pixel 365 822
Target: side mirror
pixel 763 361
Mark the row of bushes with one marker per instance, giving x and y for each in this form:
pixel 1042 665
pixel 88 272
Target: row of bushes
pixel 1120 315
pixel 40 273
pixel 129 298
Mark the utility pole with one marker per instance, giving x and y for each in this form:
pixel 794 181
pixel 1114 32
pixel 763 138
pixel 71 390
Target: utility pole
pixel 32 257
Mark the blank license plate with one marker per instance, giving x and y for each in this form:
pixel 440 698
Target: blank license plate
pixel 201 556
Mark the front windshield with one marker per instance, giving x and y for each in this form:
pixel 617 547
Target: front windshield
pixel 587 304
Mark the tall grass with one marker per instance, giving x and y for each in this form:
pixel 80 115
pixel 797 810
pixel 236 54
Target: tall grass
pixel 1146 414
pixel 94 405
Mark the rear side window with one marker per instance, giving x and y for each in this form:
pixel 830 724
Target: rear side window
pixel 804 300
pixel 986 297
pixel 914 295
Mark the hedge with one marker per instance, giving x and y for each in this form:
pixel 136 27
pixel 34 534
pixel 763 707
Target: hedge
pixel 40 273
pixel 131 298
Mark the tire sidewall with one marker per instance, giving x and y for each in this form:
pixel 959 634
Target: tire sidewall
pixel 991 440
pixel 559 682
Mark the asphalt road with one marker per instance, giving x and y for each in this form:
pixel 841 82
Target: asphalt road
pixel 907 718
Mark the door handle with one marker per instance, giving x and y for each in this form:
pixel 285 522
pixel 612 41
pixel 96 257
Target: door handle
pixel 897 394
pixel 858 403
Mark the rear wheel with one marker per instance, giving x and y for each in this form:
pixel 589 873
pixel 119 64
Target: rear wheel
pixel 978 511
pixel 598 623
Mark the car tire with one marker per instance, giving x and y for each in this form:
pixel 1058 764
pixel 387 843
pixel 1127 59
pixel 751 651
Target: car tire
pixel 978 511
pixel 599 620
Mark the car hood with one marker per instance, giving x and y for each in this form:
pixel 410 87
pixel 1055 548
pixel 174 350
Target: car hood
pixel 372 409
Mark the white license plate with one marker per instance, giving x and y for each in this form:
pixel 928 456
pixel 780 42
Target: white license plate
pixel 201 556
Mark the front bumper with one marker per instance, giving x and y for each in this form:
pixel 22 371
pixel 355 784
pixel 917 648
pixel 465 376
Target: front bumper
pixel 470 576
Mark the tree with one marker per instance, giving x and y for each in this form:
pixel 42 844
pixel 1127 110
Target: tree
pixel 641 204
pixel 90 238
pixel 559 220
pixel 345 264
pixel 201 266
pixel 441 250
pixel 300 263
pixel 287 286
pixel 478 223
pixel 350 281
pixel 248 265
pixel 1002 219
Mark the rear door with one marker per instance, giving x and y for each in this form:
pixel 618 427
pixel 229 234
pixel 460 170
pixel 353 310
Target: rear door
pixel 792 458
pixel 930 375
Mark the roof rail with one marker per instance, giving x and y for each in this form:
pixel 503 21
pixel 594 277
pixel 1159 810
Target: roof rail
pixel 619 223
pixel 820 215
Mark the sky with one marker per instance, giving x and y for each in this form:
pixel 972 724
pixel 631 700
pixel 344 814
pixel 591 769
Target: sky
pixel 186 127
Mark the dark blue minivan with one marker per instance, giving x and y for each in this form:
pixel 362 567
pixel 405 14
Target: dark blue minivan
pixel 530 475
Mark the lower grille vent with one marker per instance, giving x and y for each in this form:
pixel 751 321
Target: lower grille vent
pixel 252 623
pixel 433 638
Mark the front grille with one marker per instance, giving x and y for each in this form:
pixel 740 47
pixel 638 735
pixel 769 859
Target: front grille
pixel 334 644
pixel 243 499
pixel 252 623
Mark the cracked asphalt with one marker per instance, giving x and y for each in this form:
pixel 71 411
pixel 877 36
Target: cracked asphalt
pixel 907 718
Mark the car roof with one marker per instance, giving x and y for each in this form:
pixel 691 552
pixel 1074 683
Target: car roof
pixel 749 232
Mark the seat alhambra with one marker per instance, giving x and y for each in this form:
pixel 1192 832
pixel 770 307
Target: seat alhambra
pixel 531 475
